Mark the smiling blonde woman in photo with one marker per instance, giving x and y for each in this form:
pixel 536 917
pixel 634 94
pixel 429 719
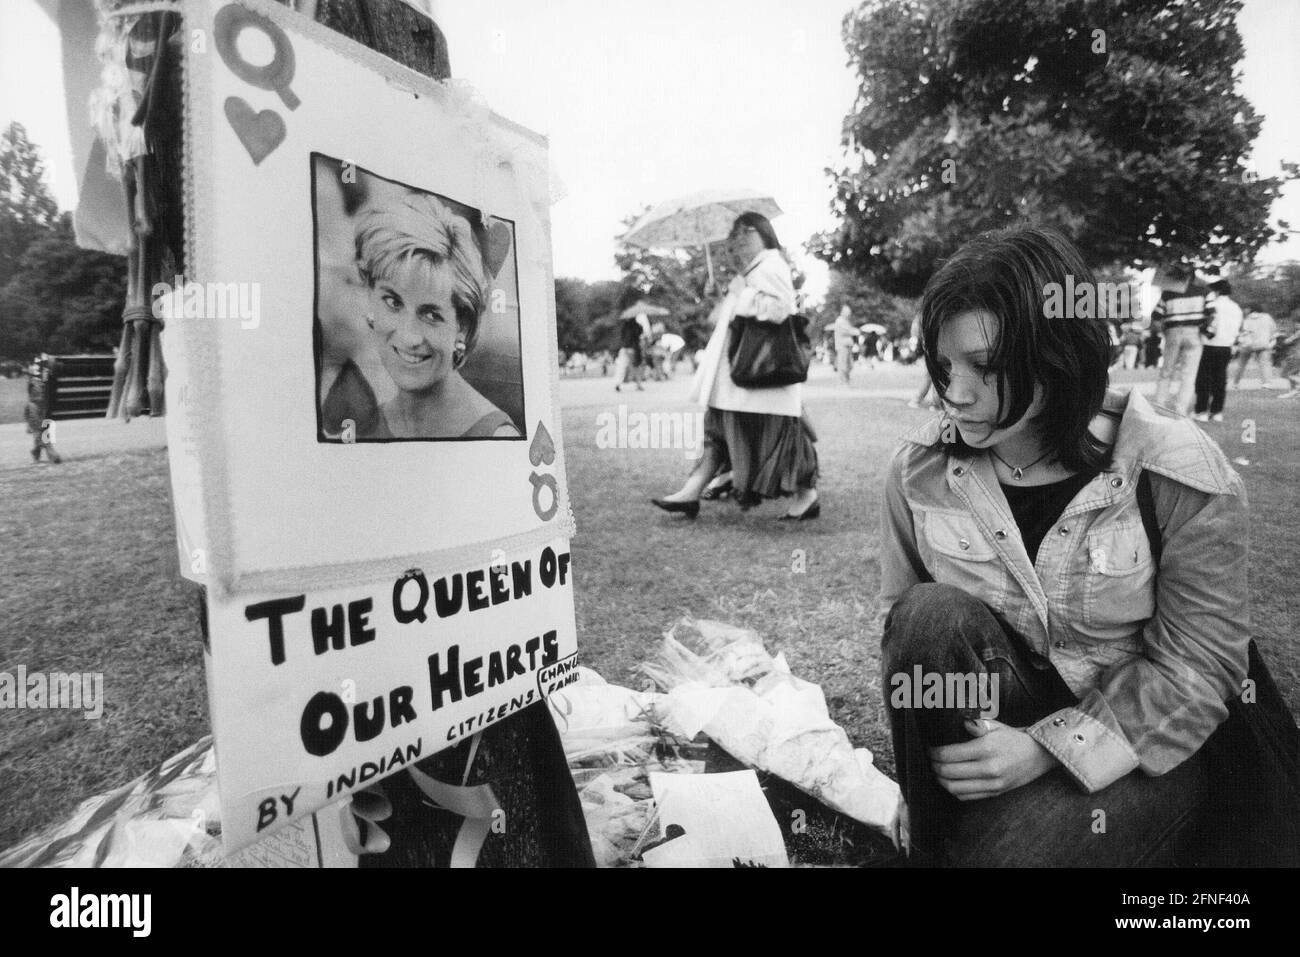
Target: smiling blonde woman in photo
pixel 427 296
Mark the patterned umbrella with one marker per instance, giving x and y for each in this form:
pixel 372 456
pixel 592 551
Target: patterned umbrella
pixel 697 219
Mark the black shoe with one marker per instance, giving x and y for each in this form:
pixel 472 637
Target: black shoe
pixel 812 511
pixel 717 491
pixel 689 509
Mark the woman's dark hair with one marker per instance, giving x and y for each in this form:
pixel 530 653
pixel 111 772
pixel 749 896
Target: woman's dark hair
pixel 1222 287
pixel 1039 341
pixel 761 224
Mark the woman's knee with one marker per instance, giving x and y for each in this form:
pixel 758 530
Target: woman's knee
pixel 930 615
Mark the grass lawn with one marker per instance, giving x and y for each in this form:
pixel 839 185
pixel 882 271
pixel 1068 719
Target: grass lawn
pixel 89 583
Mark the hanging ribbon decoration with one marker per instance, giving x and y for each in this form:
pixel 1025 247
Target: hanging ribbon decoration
pixel 362 816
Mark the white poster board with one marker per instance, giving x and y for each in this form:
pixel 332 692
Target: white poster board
pixel 364 440
pixel 292 166
pixel 317 694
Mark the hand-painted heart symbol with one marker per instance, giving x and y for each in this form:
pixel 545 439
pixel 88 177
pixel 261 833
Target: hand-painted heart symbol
pixel 260 133
pixel 497 247
pixel 543 449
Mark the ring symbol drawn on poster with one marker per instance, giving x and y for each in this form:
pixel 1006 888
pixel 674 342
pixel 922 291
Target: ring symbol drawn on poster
pixel 540 481
pixel 260 132
pixel 542 452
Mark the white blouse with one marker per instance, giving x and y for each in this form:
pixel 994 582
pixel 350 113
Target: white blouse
pixel 764 290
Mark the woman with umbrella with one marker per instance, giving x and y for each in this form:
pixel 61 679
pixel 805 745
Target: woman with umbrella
pixel 759 433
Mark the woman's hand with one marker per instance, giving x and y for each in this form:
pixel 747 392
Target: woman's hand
pixel 1000 759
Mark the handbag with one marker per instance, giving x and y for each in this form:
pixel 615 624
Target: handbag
pixel 765 355
pixel 1253 762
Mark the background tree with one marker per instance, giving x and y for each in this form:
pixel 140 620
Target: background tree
pixel 54 296
pixel 585 314
pixel 27 210
pixel 867 303
pixel 571 326
pixel 1272 289
pixel 1117 121
pixel 62 298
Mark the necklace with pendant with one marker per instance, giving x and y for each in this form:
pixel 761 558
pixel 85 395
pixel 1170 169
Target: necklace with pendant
pixel 1018 471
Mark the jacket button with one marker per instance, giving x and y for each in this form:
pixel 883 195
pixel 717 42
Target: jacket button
pixel 1000 534
pixel 1116 482
pixel 1079 738
pixel 963 544
pixel 1064 530
pixel 959 471
pixel 1058 722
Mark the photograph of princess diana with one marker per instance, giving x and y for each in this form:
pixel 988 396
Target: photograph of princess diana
pixel 417 314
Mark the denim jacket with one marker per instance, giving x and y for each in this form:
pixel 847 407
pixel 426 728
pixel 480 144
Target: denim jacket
pixel 1152 654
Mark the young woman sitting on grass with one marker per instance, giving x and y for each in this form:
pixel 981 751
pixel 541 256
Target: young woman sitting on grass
pixel 1017 544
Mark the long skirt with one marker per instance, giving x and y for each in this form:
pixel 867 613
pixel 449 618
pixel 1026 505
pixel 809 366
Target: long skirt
pixel 769 455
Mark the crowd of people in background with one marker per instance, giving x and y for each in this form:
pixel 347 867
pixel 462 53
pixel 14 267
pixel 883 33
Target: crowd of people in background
pixel 1201 341
pixel 647 352
pixel 1206 334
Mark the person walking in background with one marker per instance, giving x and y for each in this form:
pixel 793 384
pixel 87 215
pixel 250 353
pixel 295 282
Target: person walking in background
pixel 1258 331
pixel 761 435
pixel 1180 314
pixel 36 414
pixel 671 346
pixel 628 366
pixel 846 336
pixel 1212 374
pixel 870 347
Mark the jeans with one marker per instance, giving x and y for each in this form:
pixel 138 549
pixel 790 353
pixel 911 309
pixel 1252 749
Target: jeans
pixel 1182 354
pixel 1212 379
pixel 1051 821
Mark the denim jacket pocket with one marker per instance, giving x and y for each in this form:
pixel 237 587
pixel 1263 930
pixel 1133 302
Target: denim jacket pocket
pixel 1120 578
pixel 956 553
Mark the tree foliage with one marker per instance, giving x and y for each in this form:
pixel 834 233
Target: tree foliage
pixel 1271 289
pixel 1118 121
pixel 867 303
pixel 54 296
pixel 62 298
pixel 27 210
pixel 582 311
